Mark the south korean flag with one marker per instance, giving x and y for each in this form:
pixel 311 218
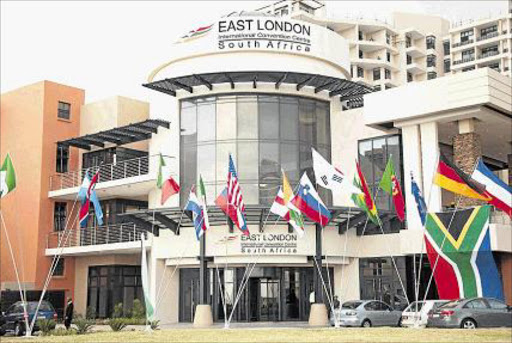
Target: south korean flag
pixel 330 177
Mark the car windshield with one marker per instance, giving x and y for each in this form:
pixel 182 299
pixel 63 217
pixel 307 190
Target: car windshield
pixel 351 304
pixel 415 306
pixel 450 304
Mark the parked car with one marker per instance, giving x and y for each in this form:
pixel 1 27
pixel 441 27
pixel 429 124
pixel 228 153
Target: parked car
pixel 366 313
pixel 416 314
pixel 13 318
pixel 471 313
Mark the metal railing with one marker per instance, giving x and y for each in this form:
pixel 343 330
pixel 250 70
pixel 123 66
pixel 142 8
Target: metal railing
pixel 100 235
pixel 107 172
pixel 488 36
pixel 464 60
pixel 489 54
pixel 462 43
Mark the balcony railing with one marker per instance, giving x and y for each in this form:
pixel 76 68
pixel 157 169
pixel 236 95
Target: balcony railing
pixel 109 234
pixel 488 36
pixel 107 172
pixel 464 60
pixel 489 54
pixel 466 42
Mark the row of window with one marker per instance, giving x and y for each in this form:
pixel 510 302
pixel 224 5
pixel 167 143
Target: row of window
pixel 388 55
pixel 430 42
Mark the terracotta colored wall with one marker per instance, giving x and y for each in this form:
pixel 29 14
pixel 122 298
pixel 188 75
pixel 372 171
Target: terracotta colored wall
pixel 506 275
pixel 29 132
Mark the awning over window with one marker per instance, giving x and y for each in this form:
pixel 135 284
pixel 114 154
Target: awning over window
pixel 343 218
pixel 120 135
pixel 345 89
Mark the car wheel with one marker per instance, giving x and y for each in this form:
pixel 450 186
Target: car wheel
pixel 366 323
pixel 468 324
pixel 399 323
pixel 18 330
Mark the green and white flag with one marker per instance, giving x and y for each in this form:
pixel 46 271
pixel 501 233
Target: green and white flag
pixel 145 281
pixel 201 195
pixel 7 177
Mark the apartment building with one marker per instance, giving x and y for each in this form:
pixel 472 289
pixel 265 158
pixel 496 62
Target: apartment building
pixel 267 101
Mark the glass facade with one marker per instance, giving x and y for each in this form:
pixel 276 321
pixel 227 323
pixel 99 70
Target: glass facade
pixel 264 133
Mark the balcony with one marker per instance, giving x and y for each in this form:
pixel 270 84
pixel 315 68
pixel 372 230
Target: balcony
pixel 466 42
pixel 489 54
pixel 129 178
pixel 488 36
pixel 464 60
pixel 121 237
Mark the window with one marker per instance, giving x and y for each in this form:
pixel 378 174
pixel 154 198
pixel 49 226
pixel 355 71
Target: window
pixel 431 61
pixel 387 74
pixel 478 303
pixel 496 304
pixel 465 36
pixel 373 157
pixel 494 66
pixel 447 65
pixel 409 59
pixel 64 110
pixel 388 56
pixel 488 31
pixel 431 42
pixel 490 51
pixel 431 75
pixel 360 72
pixel 62 159
pixel 360 35
pixel 59 268
pixel 59 216
pixel 264 133
pixel 377 88
pixel 446 48
pixel 376 74
pixel 408 41
pixel 388 38
pixel 361 55
pixel 468 55
pixel 409 77
pixel 372 306
pixel 468 69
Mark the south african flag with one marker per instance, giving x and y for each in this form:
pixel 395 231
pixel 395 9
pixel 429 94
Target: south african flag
pixel 460 241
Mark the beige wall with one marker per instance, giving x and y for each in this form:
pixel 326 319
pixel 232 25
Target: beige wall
pixel 82 265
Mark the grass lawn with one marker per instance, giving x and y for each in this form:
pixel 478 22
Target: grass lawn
pixel 294 335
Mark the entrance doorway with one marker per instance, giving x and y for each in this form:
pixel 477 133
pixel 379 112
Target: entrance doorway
pixel 264 299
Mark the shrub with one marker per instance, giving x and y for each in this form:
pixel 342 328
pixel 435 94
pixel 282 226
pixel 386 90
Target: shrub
pixel 83 326
pixel 63 332
pixel 138 310
pixel 90 312
pixel 46 325
pixel 117 324
pixel 118 311
pixel 154 324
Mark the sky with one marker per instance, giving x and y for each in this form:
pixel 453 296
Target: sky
pixel 109 48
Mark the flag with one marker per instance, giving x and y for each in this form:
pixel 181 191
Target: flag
pixel 165 181
pixel 308 202
pixel 499 192
pixel 201 195
pixel 235 201
pixel 195 206
pixel 197 33
pixel 364 200
pixel 87 194
pixel 284 208
pixel 460 242
pixel 390 185
pixel 450 177
pixel 420 201
pixel 222 202
pixel 7 177
pixel 145 281
pixel 329 176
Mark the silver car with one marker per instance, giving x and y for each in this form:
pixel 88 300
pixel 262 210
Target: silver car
pixel 366 313
pixel 471 313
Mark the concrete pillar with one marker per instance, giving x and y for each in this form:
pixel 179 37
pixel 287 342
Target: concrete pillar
pixel 318 314
pixel 466 151
pixel 412 164
pixel 429 161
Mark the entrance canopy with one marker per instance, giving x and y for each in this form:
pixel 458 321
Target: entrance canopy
pixel 134 132
pixel 345 89
pixel 169 218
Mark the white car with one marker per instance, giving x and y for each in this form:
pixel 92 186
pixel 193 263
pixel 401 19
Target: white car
pixel 416 314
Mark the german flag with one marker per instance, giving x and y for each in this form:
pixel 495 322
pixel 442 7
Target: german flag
pixel 450 177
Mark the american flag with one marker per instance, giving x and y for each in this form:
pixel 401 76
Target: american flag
pixel 235 202
pixel 234 192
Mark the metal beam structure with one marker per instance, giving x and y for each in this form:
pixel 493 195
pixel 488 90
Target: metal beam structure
pixel 131 133
pixel 206 83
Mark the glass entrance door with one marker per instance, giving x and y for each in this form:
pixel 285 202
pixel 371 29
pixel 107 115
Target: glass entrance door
pixel 264 296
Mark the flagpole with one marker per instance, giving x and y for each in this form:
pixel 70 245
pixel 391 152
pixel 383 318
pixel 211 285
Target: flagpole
pixel 22 297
